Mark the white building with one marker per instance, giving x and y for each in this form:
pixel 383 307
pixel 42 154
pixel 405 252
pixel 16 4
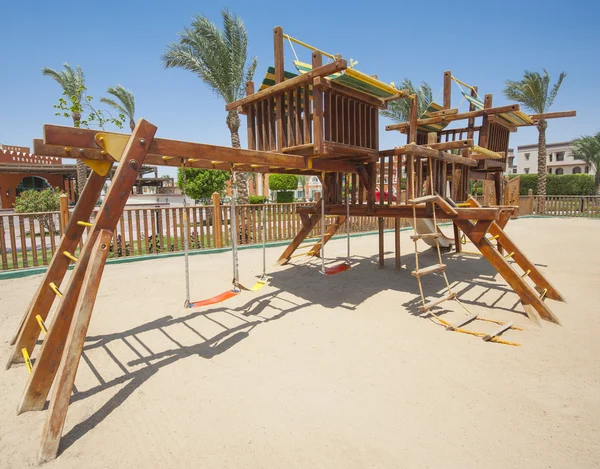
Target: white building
pixel 511 168
pixel 559 159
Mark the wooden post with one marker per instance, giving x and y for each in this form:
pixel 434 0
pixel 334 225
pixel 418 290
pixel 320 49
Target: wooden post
pixel 412 119
pixel 447 89
pixel 530 207
pixel 44 371
pixel 457 243
pixel 279 77
pixel 217 221
pixel 75 340
pixel 29 331
pixel 381 246
pixel 397 222
pixel 317 61
pixel 64 211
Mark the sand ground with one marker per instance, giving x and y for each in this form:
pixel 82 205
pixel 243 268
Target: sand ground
pixel 326 372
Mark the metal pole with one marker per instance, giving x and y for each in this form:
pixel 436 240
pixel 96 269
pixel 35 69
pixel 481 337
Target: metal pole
pixel 234 231
pixel 185 238
pixel 323 223
pixel 264 231
pixel 348 216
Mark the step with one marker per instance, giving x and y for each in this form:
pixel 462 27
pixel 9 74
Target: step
pixel 429 270
pixel 458 325
pixel 498 331
pixel 437 301
pixel 423 200
pixel 426 236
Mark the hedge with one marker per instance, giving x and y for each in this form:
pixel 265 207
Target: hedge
pixel 257 199
pixel 283 182
pixel 285 197
pixel 559 184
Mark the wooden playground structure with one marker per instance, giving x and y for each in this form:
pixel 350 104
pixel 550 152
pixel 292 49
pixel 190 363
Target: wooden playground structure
pixel 323 121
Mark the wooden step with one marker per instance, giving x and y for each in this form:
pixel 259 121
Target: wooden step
pixel 426 236
pixel 423 200
pixel 498 331
pixel 429 270
pixel 458 325
pixel 437 301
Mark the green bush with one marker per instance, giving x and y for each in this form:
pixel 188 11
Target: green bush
pixel 563 184
pixel 33 201
pixel 257 199
pixel 285 197
pixel 283 182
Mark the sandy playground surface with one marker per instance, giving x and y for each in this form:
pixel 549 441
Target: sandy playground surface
pixel 336 372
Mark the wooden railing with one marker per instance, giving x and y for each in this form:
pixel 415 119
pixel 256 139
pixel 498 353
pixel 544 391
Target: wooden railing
pixel 30 240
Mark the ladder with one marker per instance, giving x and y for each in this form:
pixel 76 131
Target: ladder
pixel 440 267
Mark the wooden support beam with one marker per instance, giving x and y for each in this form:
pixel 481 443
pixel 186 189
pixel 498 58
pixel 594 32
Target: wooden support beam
pixel 480 230
pixel 381 241
pixel 318 111
pixel 81 144
pixel 456 117
pixel 43 373
pixel 308 223
pixel 423 151
pixel 553 115
pixel 447 88
pixel 324 84
pixel 316 249
pixel 457 144
pixel 28 331
pixel 292 83
pixel 73 348
pixel 397 225
pixel 519 285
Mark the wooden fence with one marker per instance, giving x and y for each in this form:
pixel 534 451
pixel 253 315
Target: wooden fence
pixel 30 240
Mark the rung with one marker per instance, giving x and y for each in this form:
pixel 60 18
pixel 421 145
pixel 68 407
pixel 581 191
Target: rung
pixel 84 223
pixel 306 246
pixel 55 289
pixel 437 301
pixel 423 200
pixel 460 324
pixel 493 237
pixel 543 294
pixel 463 204
pixel 429 270
pixel 299 254
pixel 27 359
pixel 42 324
pixel 508 256
pixel 526 274
pixel 425 236
pixel 69 255
pixel 498 331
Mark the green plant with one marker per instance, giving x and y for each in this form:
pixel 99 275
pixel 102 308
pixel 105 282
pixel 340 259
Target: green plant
pixel 257 199
pixel 399 110
pixel 285 197
pixel 219 58
pixel 126 104
pixel 39 202
pixel 283 182
pixel 588 149
pixel 566 184
pixel 533 91
pixel 201 183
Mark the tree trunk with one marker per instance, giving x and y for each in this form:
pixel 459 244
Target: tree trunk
pixel 131 124
pixel 241 179
pixel 542 171
pixel 81 168
pixel 597 180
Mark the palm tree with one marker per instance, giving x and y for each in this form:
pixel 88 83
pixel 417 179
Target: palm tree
pixel 399 110
pixel 588 149
pixel 534 92
pixel 73 84
pixel 125 105
pixel 219 58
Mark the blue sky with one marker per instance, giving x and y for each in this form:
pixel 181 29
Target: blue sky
pixel 483 43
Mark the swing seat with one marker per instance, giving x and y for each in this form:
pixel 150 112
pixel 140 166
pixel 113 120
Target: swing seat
pixel 337 269
pixel 257 286
pixel 215 299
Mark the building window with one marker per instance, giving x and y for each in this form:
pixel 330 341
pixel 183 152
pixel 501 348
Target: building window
pixel 576 170
pixel 526 170
pixel 587 169
pixel 514 170
pixel 526 156
pixel 549 170
pixel 550 157
pixel 560 156
pixel 32 182
pixel 559 171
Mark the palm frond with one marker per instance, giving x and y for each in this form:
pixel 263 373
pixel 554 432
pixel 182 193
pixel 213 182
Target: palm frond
pixel 399 110
pixel 588 149
pixel 533 90
pixel 126 98
pixel 71 81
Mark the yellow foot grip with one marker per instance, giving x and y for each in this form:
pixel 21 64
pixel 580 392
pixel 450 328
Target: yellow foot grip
pixel 70 256
pixel 84 223
pixel 55 289
pixel 27 359
pixel 42 324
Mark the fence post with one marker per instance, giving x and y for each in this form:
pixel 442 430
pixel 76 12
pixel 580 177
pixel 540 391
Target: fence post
pixel 64 211
pixel 217 225
pixel 530 194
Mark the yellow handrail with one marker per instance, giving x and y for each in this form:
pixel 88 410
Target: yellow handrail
pixel 308 46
